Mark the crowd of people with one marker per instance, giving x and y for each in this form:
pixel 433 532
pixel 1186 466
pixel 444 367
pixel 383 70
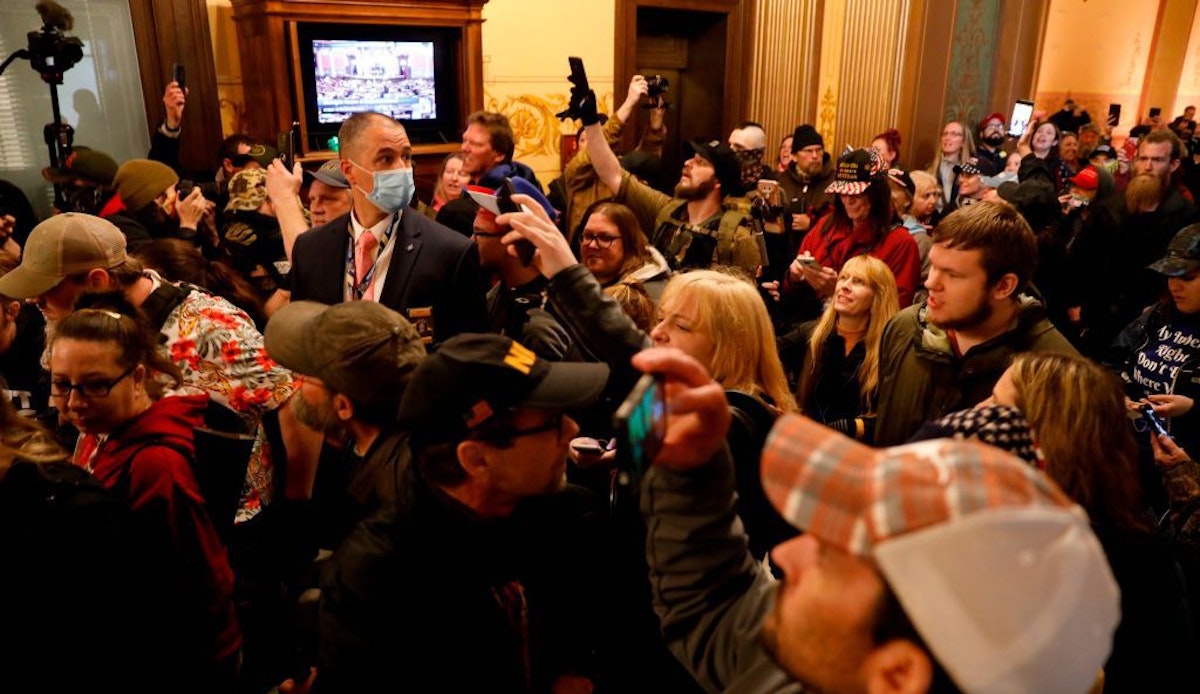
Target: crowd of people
pixel 305 431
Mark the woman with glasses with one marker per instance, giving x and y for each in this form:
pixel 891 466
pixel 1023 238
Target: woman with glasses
pixel 614 248
pixel 108 380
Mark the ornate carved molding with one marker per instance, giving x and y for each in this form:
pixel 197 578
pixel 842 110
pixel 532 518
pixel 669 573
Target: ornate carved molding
pixel 536 131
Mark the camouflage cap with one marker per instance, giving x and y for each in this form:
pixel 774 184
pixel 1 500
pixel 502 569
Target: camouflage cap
pixel 1183 255
pixel 247 190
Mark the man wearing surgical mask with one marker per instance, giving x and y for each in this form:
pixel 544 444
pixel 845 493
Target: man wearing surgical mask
pixel 383 251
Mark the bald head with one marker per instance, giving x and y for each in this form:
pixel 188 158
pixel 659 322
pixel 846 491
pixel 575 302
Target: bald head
pixel 351 134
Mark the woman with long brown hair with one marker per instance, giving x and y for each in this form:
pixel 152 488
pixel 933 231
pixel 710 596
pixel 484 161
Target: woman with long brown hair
pixel 1077 417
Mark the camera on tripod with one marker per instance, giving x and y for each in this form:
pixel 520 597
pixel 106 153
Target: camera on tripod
pixel 656 89
pixel 51 52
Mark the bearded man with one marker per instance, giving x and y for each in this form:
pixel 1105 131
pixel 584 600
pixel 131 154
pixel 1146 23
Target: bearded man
pixel 947 353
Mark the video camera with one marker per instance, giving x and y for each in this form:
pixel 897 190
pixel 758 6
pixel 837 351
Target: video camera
pixel 51 52
pixel 656 88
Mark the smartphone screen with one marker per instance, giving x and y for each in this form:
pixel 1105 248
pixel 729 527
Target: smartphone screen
pixel 177 75
pixel 641 424
pixel 1155 111
pixel 1021 113
pixel 1114 115
pixel 1154 420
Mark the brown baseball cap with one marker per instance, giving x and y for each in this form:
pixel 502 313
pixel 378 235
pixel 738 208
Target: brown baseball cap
pixel 361 349
pixel 64 245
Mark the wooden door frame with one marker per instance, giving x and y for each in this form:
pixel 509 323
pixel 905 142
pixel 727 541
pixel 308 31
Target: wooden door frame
pixel 737 48
pixel 170 31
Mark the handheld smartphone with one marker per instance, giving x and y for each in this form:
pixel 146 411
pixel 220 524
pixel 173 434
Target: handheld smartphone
pixel 184 188
pixel 1155 111
pixel 588 446
pixel 1156 423
pixel 767 189
pixel 1114 115
pixel 641 425
pixel 578 74
pixel 809 262
pixel 1021 113
pixel 177 75
pixel 287 145
pixel 1130 148
pixel 504 201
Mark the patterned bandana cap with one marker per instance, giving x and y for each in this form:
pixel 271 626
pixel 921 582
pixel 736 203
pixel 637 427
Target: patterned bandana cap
pixel 247 190
pixel 996 425
pixel 752 166
pixel 997 569
pixel 856 170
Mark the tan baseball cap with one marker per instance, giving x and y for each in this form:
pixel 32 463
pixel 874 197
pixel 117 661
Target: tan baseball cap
pixel 358 348
pixel 64 245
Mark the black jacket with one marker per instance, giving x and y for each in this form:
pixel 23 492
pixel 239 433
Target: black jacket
pixel 431 267
pixel 417 593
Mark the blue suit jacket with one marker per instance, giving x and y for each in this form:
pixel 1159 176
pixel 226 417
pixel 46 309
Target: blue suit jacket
pixel 431 266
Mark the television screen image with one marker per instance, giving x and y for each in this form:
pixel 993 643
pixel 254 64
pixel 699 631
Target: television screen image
pixel 392 77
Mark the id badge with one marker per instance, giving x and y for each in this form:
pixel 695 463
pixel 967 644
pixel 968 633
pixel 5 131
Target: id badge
pixel 422 319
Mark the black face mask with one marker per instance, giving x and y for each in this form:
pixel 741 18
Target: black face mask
pixel 994 140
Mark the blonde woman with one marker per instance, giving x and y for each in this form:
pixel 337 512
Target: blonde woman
pixel 839 376
pixel 719 319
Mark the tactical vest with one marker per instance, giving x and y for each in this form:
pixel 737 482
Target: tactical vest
pixel 730 241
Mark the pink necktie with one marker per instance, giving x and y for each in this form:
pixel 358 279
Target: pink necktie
pixel 364 260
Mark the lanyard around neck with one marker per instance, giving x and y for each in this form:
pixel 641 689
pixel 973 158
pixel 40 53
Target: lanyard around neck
pixel 359 287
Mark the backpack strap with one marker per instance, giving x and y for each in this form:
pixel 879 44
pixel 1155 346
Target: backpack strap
pixel 158 306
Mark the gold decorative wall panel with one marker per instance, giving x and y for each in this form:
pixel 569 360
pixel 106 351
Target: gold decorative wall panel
pixel 783 68
pixel 873 39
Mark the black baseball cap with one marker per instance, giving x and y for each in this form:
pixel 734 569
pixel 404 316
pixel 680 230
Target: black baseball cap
pixel 473 378
pixel 725 163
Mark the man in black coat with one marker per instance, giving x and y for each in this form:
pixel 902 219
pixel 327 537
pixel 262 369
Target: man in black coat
pixel 412 265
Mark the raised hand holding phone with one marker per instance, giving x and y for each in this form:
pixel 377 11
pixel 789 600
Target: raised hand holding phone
pixel 698 415
pixel 504 200
pixel 582 103
pixel 641 425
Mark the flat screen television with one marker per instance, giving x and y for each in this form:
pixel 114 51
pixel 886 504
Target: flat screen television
pixel 409 73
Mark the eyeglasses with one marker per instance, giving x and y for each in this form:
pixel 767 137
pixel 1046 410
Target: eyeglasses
pixel 87 389
pixel 553 424
pixel 601 240
pixel 505 437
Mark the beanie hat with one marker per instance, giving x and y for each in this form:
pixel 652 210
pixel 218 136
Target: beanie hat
pixel 139 181
pixel 806 136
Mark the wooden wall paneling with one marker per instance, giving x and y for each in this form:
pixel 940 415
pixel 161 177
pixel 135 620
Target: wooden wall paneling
pixel 785 53
pixel 171 31
pixel 737 42
pixel 1018 52
pixel 270 75
pixel 870 73
pixel 925 72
